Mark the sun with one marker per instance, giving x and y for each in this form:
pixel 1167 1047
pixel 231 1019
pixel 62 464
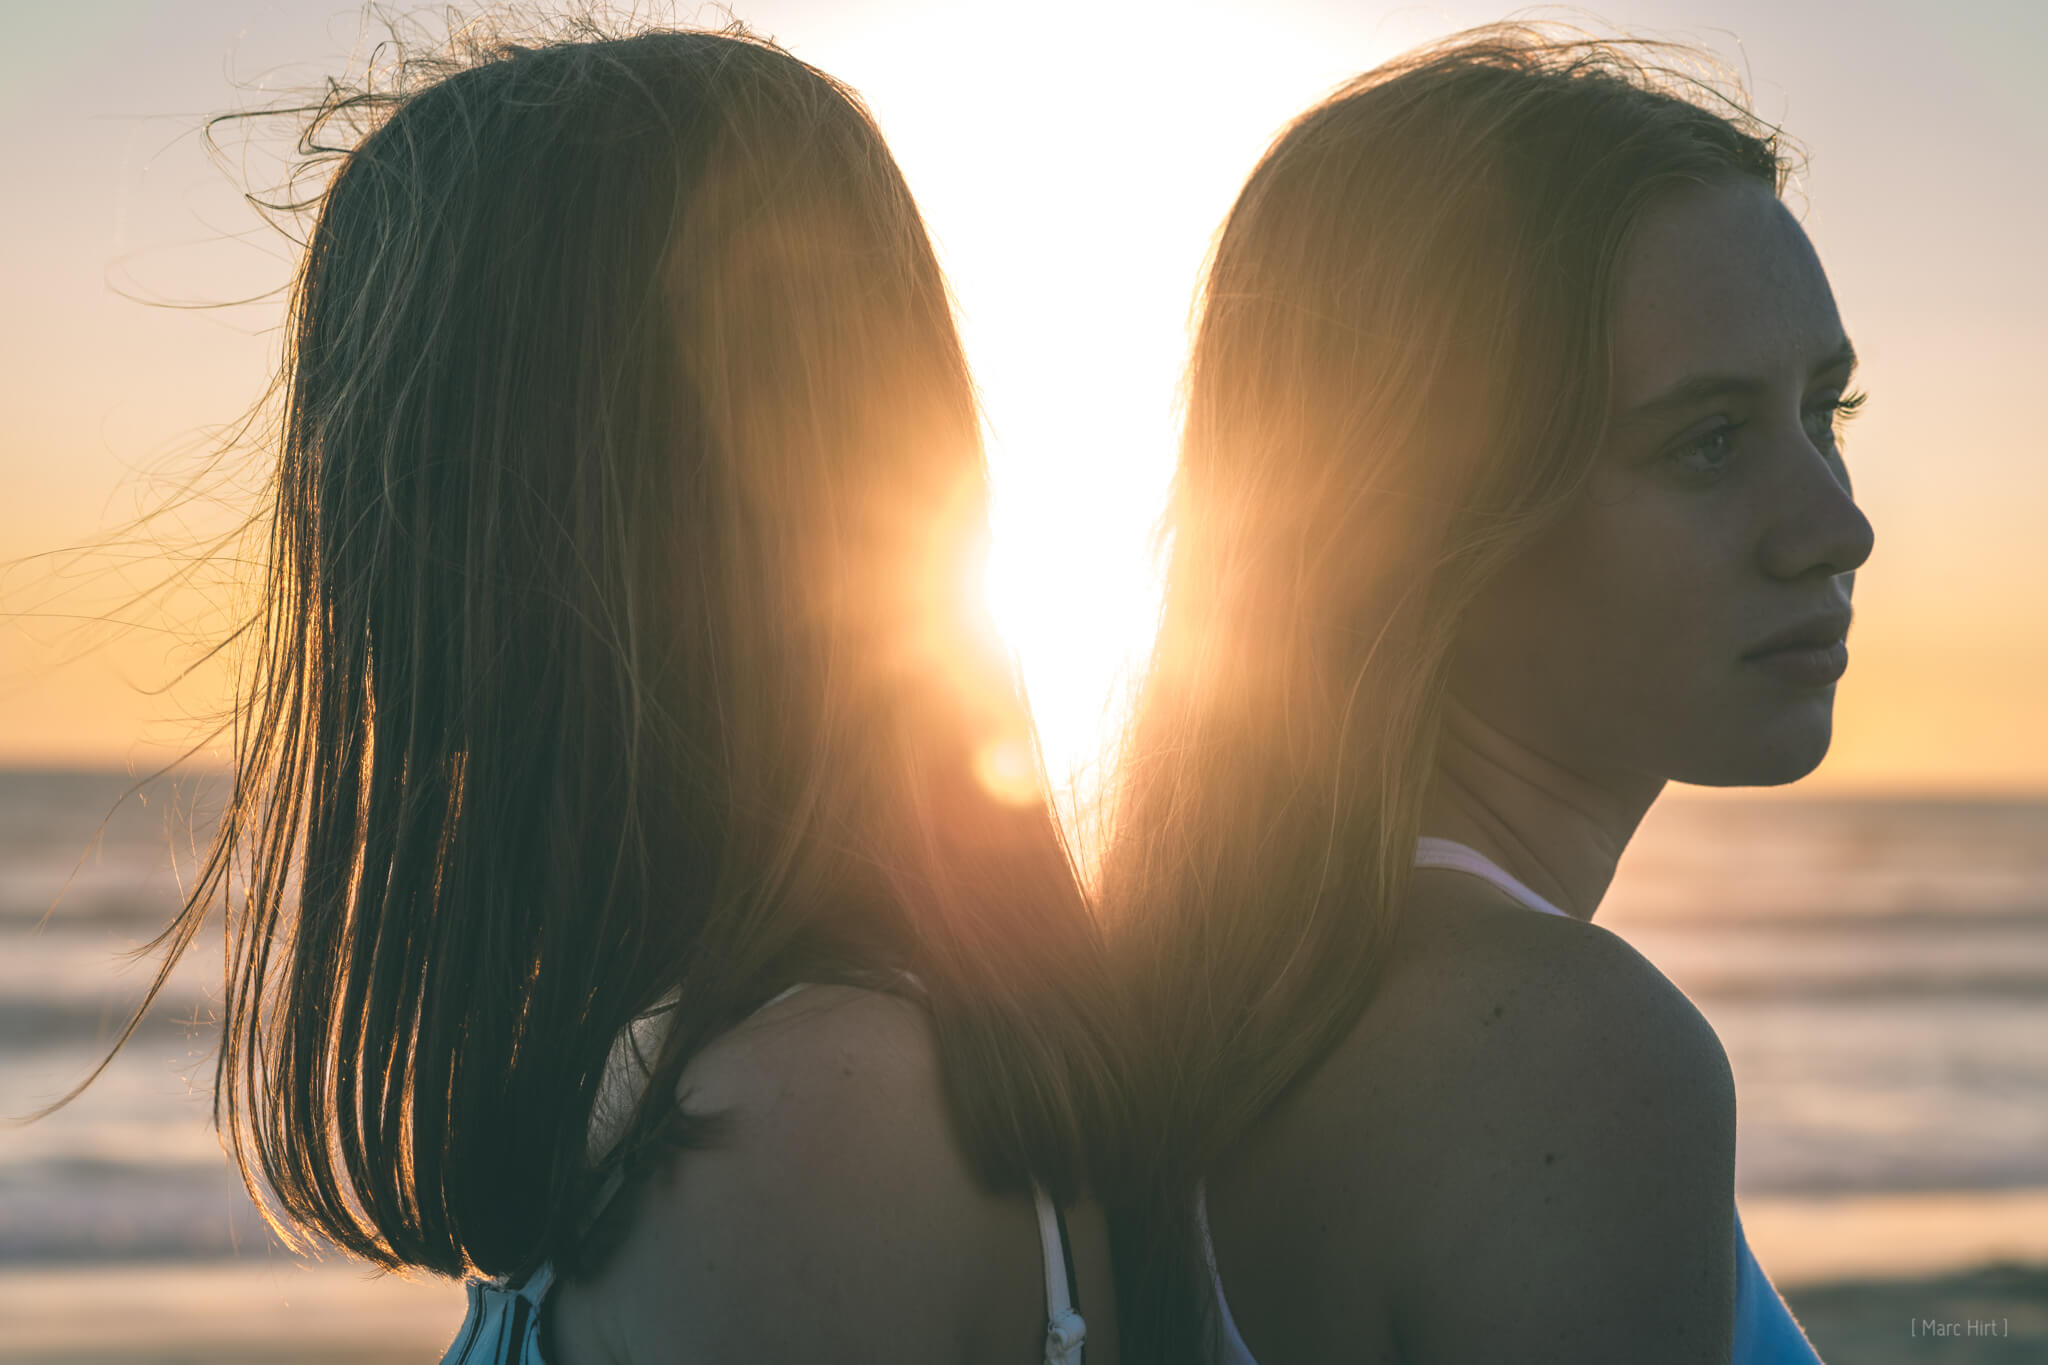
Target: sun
pixel 1073 582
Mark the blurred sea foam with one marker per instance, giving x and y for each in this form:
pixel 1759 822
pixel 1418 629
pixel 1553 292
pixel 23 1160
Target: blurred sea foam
pixel 1877 969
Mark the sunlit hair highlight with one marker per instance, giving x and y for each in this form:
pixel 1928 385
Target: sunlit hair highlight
pixel 1399 378
pixel 619 641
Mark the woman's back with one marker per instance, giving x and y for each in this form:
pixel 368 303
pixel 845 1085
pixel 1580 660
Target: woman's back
pixel 834 1218
pixel 1527 1138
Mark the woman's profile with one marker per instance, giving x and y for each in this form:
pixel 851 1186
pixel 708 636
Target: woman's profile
pixel 615 907
pixel 1510 491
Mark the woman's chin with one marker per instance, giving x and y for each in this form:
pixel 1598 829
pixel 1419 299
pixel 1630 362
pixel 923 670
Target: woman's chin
pixel 1771 758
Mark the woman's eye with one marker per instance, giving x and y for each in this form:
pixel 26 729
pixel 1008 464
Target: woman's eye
pixel 1825 420
pixel 1707 455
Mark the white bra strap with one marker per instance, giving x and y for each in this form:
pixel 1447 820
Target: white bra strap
pixel 1066 1335
pixel 1054 1247
pixel 772 1001
pixel 1431 851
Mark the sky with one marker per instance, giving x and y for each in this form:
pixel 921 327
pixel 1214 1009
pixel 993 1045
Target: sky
pixel 1073 166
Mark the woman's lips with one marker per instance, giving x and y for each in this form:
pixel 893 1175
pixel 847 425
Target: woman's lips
pixel 1805 665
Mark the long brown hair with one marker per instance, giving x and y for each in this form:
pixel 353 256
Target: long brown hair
pixel 617 642
pixel 1399 377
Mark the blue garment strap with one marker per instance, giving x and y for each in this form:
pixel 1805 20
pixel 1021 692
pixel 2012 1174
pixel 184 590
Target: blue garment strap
pixel 1766 1333
pixel 502 1326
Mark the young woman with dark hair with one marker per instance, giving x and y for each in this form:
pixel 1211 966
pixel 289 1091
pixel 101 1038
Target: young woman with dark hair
pixel 613 906
pixel 1510 491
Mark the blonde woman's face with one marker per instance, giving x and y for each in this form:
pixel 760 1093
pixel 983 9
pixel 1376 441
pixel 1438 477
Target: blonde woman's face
pixel 1686 620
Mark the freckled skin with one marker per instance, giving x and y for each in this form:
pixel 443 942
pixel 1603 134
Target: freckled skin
pixel 1616 646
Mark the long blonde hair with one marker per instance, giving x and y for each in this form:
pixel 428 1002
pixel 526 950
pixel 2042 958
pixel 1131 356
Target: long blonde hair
pixel 1400 376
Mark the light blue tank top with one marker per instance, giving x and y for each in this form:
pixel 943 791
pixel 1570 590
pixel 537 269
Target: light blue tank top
pixel 503 1324
pixel 1765 1331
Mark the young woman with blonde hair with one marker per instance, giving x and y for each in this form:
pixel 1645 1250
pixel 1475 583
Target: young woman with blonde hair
pixel 1510 491
pixel 617 911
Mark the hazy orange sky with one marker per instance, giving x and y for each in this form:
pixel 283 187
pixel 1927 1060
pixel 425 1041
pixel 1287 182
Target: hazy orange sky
pixel 1073 164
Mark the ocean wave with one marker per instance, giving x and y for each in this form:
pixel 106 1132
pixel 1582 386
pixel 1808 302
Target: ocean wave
pixel 1905 986
pixel 29 1025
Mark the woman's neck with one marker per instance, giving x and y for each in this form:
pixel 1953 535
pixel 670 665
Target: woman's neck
pixel 1560 831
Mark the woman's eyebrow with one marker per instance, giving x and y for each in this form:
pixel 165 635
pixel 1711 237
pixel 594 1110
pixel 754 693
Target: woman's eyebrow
pixel 1698 389
pixel 1842 358
pixel 1702 387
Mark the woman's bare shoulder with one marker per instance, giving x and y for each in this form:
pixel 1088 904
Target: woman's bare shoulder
pixel 1520 1081
pixel 823 1048
pixel 836 1217
pixel 1487 983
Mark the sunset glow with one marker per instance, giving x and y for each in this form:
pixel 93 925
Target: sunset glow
pixel 1072 181
pixel 1074 585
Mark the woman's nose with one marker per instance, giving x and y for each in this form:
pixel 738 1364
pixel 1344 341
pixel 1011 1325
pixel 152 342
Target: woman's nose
pixel 1819 530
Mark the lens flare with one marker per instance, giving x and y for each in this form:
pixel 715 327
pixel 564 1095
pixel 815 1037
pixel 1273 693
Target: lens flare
pixel 1008 771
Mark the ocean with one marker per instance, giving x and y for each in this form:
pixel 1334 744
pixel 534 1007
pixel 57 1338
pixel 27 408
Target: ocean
pixel 1877 970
